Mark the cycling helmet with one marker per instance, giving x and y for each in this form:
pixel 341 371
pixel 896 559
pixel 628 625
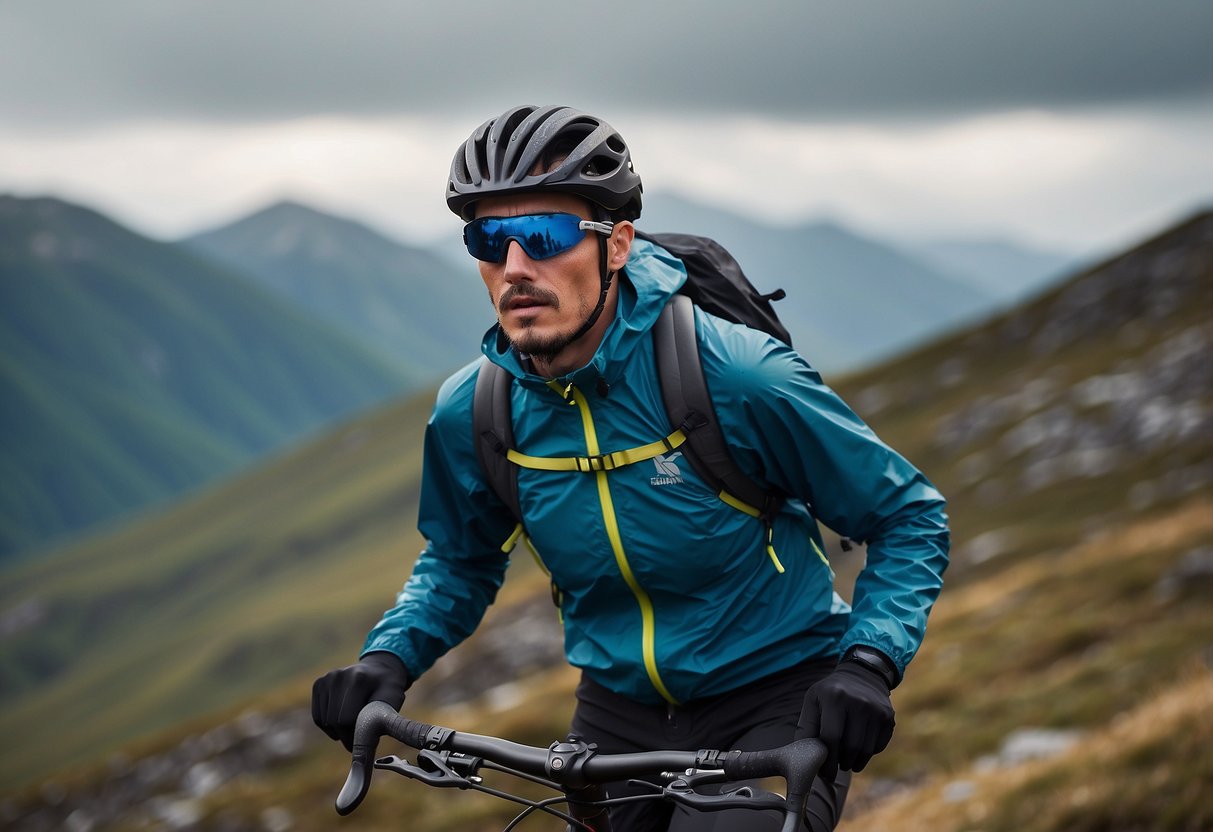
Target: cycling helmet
pixel 508 154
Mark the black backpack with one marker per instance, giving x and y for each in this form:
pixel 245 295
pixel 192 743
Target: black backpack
pixel 716 283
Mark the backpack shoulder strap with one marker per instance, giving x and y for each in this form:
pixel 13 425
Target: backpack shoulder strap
pixel 493 433
pixel 687 401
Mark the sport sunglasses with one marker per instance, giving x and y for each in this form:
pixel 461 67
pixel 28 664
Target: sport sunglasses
pixel 540 235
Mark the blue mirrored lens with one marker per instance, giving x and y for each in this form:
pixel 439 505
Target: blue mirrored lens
pixel 540 235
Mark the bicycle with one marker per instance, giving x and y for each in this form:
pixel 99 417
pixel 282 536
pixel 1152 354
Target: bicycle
pixel 453 759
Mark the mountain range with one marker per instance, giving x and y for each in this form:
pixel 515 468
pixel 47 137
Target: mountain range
pixel 407 302
pixel 1005 270
pixel 135 369
pixel 1073 436
pixel 853 300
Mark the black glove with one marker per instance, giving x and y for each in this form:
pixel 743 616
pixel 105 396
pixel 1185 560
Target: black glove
pixel 340 694
pixel 851 713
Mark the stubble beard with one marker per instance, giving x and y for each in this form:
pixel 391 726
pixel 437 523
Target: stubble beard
pixel 543 347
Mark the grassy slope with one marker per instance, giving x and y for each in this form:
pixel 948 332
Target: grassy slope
pixel 1067 625
pixel 1147 769
pixel 214 600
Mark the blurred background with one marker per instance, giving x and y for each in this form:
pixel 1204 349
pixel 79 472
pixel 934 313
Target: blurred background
pixel 229 287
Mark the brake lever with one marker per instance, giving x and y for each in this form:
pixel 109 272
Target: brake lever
pixel 745 797
pixel 433 770
pixel 698 777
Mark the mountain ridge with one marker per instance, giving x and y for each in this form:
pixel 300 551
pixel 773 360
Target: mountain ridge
pixel 852 297
pixel 134 370
pixel 851 300
pixel 1008 270
pixel 404 301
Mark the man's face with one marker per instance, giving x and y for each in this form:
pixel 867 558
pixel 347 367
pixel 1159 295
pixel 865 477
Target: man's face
pixel 541 303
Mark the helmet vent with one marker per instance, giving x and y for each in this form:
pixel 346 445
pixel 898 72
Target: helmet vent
pixel 460 172
pixel 600 166
pixel 482 162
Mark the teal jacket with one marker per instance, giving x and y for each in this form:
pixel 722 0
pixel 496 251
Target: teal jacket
pixel 667 592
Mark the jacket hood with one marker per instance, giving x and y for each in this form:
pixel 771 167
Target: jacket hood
pixel 650 278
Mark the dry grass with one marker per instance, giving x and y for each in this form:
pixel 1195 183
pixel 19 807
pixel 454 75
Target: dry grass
pixel 1150 769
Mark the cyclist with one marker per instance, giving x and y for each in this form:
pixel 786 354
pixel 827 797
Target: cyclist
pixel 694 624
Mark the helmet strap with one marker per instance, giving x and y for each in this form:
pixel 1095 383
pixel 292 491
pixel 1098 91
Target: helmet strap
pixel 606 277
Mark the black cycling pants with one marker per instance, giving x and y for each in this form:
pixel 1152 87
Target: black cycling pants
pixel 761 715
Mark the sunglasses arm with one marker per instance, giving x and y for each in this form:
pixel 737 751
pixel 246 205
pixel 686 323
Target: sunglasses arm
pixel 600 227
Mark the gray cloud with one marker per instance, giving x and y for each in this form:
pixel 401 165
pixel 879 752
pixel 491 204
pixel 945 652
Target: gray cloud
pixel 71 64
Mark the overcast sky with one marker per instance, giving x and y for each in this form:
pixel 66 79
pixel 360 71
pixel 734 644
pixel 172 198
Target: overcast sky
pixel 1075 124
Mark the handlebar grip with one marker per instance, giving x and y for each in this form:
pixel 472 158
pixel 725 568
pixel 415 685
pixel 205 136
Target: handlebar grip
pixel 798 760
pixel 408 731
pixel 358 781
pixel 798 763
pixel 377 719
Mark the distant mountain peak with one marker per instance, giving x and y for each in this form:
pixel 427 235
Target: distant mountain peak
pixel 292 229
pixel 288 210
pixel 289 204
pixel 404 300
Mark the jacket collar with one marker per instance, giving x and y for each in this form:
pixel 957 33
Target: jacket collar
pixel 650 278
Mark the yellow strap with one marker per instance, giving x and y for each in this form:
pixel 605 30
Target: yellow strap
pixel 557 595
pixel 601 462
pixel 512 540
pixel 771 549
pixel 728 498
pixel 535 554
pixel 821 555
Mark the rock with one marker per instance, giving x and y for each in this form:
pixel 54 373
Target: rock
pixel 1192 575
pixel 202 779
pixel 1029 744
pixel 277 819
pixel 176 814
pixel 79 821
pixel 958 791
pixel 985 546
pixel 27 614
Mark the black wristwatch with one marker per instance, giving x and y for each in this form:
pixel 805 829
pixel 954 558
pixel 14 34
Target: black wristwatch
pixel 875 661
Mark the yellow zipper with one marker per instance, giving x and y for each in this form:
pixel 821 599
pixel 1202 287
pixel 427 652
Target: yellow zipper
pixel 519 534
pixel 648 620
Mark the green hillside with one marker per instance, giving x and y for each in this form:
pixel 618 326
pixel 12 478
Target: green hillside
pixel 133 370
pixel 1071 435
pixel 217 599
pixel 405 301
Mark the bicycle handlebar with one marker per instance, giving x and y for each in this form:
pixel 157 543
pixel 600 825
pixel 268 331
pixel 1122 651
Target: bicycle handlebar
pixel 572 765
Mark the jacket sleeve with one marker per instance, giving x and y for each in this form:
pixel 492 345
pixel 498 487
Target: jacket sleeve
pixel 811 445
pixel 457 575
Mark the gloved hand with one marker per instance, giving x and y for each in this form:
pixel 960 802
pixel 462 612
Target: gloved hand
pixel 850 711
pixel 340 694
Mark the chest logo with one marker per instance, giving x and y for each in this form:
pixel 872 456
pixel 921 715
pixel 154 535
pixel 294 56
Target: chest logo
pixel 668 472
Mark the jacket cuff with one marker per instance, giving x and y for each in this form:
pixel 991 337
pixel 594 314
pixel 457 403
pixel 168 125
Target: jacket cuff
pixel 875 661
